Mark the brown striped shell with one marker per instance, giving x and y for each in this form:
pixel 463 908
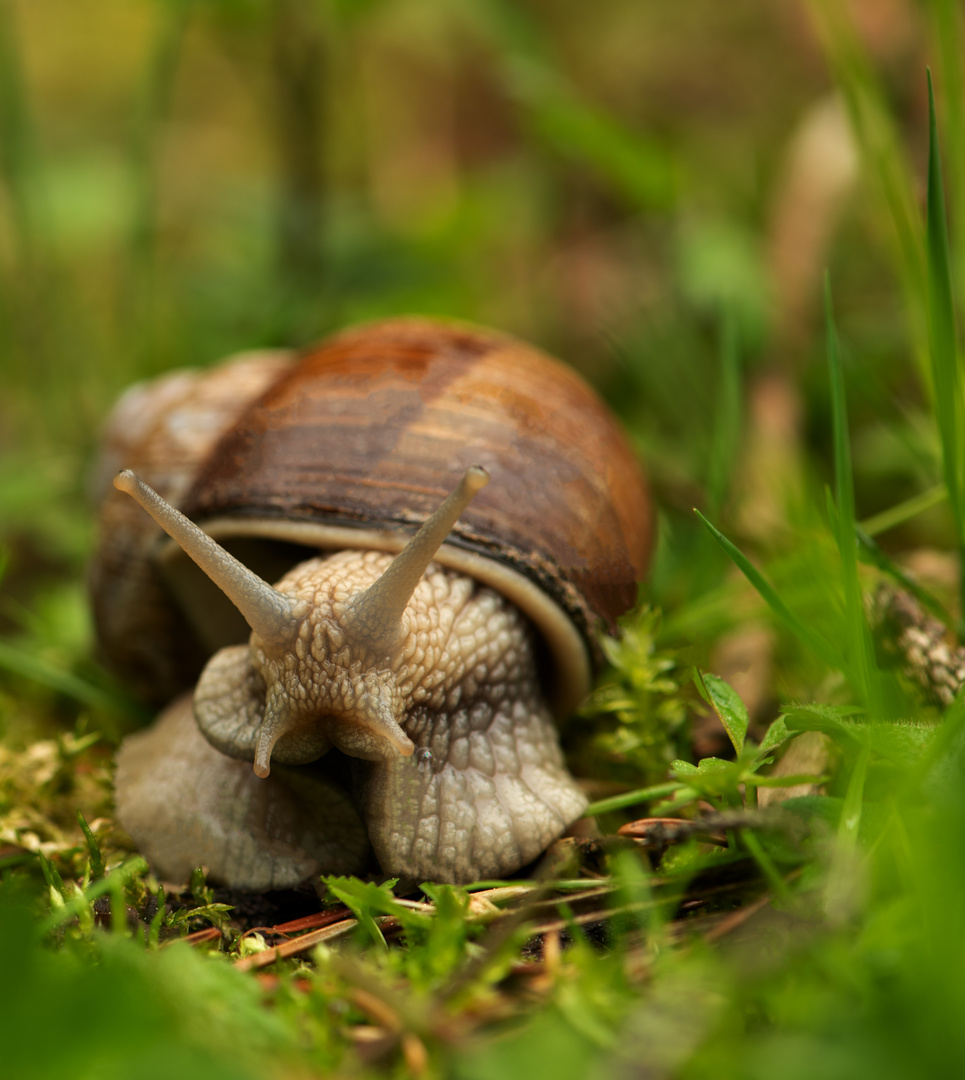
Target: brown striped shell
pixel 354 444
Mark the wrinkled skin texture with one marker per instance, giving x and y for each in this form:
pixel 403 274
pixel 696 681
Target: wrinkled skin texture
pixel 457 772
pixel 187 805
pixel 493 796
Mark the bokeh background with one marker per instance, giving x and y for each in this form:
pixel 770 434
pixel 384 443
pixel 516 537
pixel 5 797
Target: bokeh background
pixel 655 192
pixel 640 188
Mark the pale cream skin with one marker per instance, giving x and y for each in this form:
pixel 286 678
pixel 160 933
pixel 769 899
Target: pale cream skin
pixel 423 678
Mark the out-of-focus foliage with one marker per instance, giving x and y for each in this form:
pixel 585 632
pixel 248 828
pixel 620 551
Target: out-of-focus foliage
pixel 653 192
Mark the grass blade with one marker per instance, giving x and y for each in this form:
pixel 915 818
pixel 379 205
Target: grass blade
pixel 844 524
pixel 814 641
pixel 941 335
pixel 93 848
pixel 904 511
pixel 114 881
pixel 947 24
pixel 631 798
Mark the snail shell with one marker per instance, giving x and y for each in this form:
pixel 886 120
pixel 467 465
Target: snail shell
pixel 350 447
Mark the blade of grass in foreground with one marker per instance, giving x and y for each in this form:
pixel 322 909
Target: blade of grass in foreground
pixel 814 641
pixel 947 27
pixel 904 511
pixel 631 798
pixel 941 337
pixel 862 653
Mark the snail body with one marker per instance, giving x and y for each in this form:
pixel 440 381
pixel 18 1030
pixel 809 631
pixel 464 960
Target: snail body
pixel 398 702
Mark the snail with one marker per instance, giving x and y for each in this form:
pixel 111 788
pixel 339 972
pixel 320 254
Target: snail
pixel 390 695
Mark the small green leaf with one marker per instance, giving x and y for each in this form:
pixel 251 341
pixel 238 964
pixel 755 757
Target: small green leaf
pixel 367 900
pixel 901 742
pixel 198 886
pixel 817 717
pixel 216 914
pixel 713 765
pixel 716 777
pixel 724 700
pixel 683 769
pixel 712 777
pixel 775 735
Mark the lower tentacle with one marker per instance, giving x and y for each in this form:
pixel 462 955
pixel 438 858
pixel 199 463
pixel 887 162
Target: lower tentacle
pixel 185 804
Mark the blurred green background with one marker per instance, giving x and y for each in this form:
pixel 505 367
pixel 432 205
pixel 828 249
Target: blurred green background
pixel 651 191
pixel 653 195
pixel 626 186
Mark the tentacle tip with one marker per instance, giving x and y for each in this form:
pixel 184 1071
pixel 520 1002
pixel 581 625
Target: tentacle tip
pixel 261 769
pixel 126 480
pixel 475 479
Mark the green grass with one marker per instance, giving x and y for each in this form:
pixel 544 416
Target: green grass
pixel 608 190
